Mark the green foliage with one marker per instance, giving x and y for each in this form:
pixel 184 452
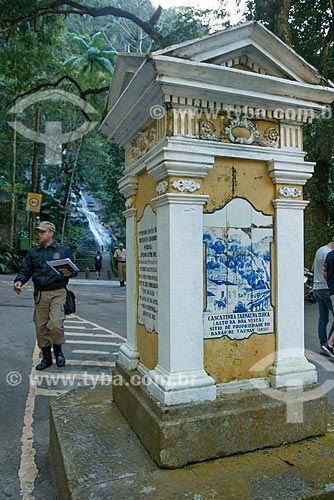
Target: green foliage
pixel 73 235
pixel 93 57
pixel 183 24
pixel 83 49
pixel 10 259
pixel 312 35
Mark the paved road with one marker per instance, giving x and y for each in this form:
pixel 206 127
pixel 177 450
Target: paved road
pixel 94 335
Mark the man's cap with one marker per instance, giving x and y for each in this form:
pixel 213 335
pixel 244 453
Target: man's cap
pixel 45 225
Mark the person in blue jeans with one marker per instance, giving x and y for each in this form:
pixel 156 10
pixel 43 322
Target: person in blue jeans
pixel 322 296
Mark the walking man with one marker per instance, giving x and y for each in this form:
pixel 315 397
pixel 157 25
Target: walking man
pixel 322 294
pixel 98 264
pixel 49 292
pixel 120 258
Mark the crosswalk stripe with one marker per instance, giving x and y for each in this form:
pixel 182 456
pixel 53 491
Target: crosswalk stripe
pixel 74 327
pixel 98 327
pixel 94 335
pixel 78 362
pixel 89 352
pixel 92 342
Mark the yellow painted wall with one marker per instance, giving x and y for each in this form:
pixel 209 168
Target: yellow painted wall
pixel 147 342
pixel 226 360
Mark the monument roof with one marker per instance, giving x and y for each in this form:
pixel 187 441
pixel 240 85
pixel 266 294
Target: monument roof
pixel 244 65
pixel 249 44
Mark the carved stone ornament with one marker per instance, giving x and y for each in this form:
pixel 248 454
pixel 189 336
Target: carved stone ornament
pixel 207 129
pixel 186 185
pixel 162 187
pixel 271 136
pixel 244 131
pixel 128 203
pixel 239 130
pixel 143 143
pixel 290 192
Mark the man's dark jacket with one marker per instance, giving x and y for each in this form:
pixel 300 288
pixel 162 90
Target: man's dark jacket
pixel 35 266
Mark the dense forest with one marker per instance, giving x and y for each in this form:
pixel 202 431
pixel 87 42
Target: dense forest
pixel 72 47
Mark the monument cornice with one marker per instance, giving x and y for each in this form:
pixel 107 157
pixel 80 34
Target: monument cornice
pixel 198 156
pixel 162 75
pixel 290 171
pixel 128 185
pixel 207 79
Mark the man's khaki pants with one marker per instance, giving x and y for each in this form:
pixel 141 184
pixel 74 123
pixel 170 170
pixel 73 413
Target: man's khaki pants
pixel 49 317
pixel 122 271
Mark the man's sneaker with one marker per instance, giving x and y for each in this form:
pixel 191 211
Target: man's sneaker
pixel 328 349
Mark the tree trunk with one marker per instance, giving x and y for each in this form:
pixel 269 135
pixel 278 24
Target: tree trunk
pixel 282 26
pixel 327 42
pixel 68 193
pixel 34 179
pixel 277 12
pixel 13 191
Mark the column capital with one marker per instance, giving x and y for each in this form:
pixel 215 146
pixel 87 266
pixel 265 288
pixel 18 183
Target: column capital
pixel 289 171
pixel 130 212
pixel 180 199
pixel 290 204
pixel 176 160
pixel 128 185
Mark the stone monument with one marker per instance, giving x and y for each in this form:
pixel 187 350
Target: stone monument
pixel 214 359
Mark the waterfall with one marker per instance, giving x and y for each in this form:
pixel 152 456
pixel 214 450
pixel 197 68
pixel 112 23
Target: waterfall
pixel 100 233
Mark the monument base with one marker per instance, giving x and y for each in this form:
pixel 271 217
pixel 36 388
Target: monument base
pixel 233 423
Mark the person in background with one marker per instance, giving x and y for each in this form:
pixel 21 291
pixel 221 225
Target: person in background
pixel 98 264
pixel 120 258
pixel 321 294
pixel 49 292
pixel 329 276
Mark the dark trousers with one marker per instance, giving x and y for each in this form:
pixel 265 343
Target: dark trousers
pixel 324 308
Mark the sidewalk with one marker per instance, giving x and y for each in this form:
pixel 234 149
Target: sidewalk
pixel 97 456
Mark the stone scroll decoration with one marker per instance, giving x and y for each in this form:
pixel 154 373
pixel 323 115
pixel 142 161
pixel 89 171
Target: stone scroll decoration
pixel 237 242
pixel 128 203
pixel 143 143
pixel 239 130
pixel 162 187
pixel 148 270
pixel 183 185
pixel 290 192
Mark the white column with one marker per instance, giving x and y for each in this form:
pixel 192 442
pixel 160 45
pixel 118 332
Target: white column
pixel 290 368
pixel 128 354
pixel 179 376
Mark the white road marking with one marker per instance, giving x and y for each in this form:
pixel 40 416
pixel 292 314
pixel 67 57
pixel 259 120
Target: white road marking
pixel 74 327
pixel 90 352
pixel 28 471
pixel 78 362
pixel 94 335
pixel 99 327
pixel 92 342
